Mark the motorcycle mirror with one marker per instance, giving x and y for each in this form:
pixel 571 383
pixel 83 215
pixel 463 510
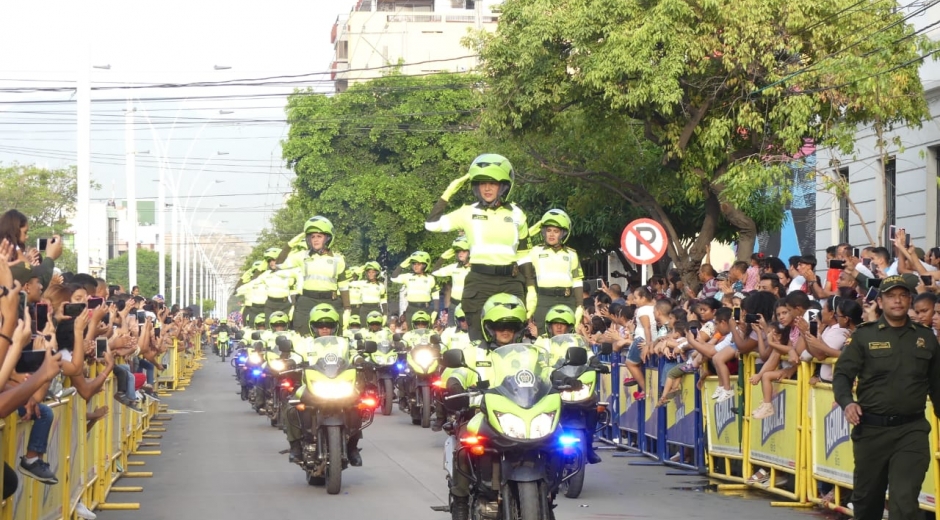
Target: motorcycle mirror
pixel 358 336
pixel 256 335
pixel 482 384
pixel 239 335
pixel 284 344
pixel 396 337
pixel 576 356
pixel 370 347
pixel 435 339
pixel 607 349
pixel 453 359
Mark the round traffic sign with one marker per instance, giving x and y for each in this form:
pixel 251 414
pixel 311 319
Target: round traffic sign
pixel 643 241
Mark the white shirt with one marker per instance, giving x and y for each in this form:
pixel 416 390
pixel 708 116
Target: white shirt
pixel 648 311
pixel 796 284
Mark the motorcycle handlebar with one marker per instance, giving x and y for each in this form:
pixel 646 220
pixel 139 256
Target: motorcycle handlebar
pixel 464 394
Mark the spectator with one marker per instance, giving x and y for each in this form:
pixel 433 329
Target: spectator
pixel 752 277
pixel 923 308
pixel 771 283
pixel 645 320
pixel 720 348
pixel 708 277
pixel 832 335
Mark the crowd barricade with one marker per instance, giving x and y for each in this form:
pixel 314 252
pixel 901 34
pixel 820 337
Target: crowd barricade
pixel 87 460
pixel 169 377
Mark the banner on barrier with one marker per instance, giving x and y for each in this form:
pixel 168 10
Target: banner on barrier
pixel 680 414
pixel 651 415
pixel 629 412
pixel 724 427
pixel 832 445
pixel 775 439
pixel 928 491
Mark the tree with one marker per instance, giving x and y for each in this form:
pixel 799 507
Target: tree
pixel 723 94
pixel 147 271
pixel 208 306
pixel 376 157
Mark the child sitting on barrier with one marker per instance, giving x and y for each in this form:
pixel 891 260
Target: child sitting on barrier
pixel 783 339
pixel 720 348
pixel 675 348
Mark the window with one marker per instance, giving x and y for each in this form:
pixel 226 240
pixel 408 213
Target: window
pixel 891 196
pixel 843 205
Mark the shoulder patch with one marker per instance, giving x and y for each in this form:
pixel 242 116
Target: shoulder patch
pixel 921 343
pixel 866 324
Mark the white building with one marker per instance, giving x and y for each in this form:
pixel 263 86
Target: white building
pixel 912 175
pixel 425 35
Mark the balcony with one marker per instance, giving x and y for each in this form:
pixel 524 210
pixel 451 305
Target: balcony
pixel 338 32
pixel 339 67
pixel 415 18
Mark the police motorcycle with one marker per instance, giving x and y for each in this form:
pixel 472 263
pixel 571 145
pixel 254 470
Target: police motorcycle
pixel 330 392
pixel 513 449
pixel 421 379
pixel 254 373
pixel 384 368
pixel 223 343
pixel 581 409
pixel 240 362
pixel 281 379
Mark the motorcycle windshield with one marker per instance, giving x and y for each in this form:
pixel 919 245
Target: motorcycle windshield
pixel 383 347
pixel 558 347
pixel 328 355
pixel 421 337
pixel 520 374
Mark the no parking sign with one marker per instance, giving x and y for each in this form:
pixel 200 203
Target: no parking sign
pixel 643 241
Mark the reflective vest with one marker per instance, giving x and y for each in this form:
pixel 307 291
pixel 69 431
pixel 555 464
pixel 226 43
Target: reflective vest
pixel 278 284
pixel 257 294
pixel 457 274
pixel 355 293
pixel 556 268
pixel 318 272
pixel 495 235
pixel 373 293
pixel 420 287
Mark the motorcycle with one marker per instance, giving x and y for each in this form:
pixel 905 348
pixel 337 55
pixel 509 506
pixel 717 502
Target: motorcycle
pixel 330 392
pixel 579 408
pixel 514 448
pixel 224 344
pixel 418 387
pixel 280 382
pixel 254 374
pixel 384 365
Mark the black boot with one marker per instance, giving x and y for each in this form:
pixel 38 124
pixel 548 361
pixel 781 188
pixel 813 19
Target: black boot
pixel 296 452
pixel 352 453
pixel 592 456
pixel 459 508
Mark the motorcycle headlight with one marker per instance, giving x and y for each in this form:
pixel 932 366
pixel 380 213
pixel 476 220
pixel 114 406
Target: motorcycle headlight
pixel 424 358
pixel 577 395
pixel 277 365
pixel 254 358
pixel 332 389
pixel 512 425
pixel 542 425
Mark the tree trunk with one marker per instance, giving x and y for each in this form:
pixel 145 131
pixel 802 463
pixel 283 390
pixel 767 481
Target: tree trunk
pixel 689 260
pixel 747 230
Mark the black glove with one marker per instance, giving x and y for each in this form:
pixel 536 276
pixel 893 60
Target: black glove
pixel 572 382
pixel 603 369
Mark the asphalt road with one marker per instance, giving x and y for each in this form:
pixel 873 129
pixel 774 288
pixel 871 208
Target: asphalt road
pixel 220 460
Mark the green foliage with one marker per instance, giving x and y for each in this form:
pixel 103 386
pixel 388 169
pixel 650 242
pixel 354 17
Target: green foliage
pixel 722 94
pixel 375 158
pixel 148 273
pixel 208 306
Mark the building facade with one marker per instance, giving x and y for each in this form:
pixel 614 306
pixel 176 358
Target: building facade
pixel 422 35
pixel 902 192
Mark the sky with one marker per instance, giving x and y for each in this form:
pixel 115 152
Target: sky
pixel 221 143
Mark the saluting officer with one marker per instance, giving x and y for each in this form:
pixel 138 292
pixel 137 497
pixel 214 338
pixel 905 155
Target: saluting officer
pixel 897 364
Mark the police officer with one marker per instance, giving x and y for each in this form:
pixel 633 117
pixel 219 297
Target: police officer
pixel 457 272
pixel 557 268
pixel 420 287
pixel 320 274
pixel 252 290
pixel 498 237
pixel 278 285
pixel 372 291
pixel 897 364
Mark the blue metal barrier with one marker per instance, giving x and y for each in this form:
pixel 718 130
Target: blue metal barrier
pixel 683 439
pixel 628 420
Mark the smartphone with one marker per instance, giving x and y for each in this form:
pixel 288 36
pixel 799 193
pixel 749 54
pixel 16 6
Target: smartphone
pixel 694 331
pixel 928 280
pixel 736 313
pixel 907 240
pixel 856 252
pixel 74 310
pixel 94 302
pixel 866 262
pixel 41 244
pixel 101 346
pixel 752 318
pixel 814 328
pixel 892 232
pixel 22 309
pixel 141 317
pixel 42 316
pixel 872 294
pixel 874 283
pixel 836 264
pixel 109 303
pixel 30 361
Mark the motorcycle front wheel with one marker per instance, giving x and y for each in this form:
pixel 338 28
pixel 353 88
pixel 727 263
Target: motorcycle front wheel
pixel 574 485
pixel 425 405
pixel 388 397
pixel 523 502
pixel 334 453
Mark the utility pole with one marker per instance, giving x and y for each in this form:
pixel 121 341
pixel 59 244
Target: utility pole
pixel 83 149
pixel 130 153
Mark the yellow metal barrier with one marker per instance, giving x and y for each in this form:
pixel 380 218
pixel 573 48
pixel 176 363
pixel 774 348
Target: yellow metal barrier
pixel 87 459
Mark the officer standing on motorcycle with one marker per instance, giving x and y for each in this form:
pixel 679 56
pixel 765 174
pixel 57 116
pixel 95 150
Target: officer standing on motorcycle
pixel 557 268
pixel 559 321
pixel 320 273
pixel 457 273
pixel 497 233
pixel 253 291
pixel 420 287
pixel 372 290
pixel 324 322
pixel 278 285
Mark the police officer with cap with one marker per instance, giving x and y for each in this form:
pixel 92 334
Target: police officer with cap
pixel 897 365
